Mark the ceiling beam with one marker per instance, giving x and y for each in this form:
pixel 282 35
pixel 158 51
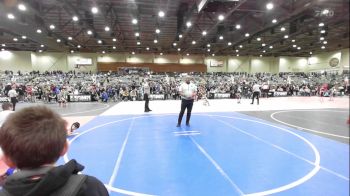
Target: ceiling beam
pixel 28 29
pixel 212 30
pixel 295 14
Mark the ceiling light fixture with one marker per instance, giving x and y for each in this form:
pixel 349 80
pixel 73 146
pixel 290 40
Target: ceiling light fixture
pixel 94 10
pixel 15 39
pixel 286 36
pixel 114 39
pixel 221 37
pixel 114 47
pixel 323 47
pixel 204 33
pixel 134 21
pixel 89 32
pixel 107 28
pixel 147 48
pixel 10 16
pixel 38 31
pixel 247 34
pixel 283 28
pixel 221 17
pixel 137 34
pixel 269 6
pixel 24 37
pixel 157 31
pixel 274 21
pixel 58 40
pixel 208 45
pixel 188 54
pixel 75 18
pixel 229 43
pixel 99 41
pixel 155 41
pixel 52 27
pixel 179 49
pixel 161 14
pixel 70 38
pixel 78 46
pixel 188 24
pixel 138 43
pixel 321 24
pixel 238 26
pixel 22 7
pixel 258 39
pixel 325 12
pixel 193 42
pixel 180 36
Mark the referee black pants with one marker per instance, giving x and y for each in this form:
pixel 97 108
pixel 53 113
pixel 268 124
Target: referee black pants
pixel 255 94
pixel 185 104
pixel 145 97
pixel 13 101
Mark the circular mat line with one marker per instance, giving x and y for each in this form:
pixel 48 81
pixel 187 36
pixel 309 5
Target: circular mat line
pixel 316 163
pixel 311 130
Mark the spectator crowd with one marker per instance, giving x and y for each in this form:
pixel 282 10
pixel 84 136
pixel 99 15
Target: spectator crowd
pixel 58 86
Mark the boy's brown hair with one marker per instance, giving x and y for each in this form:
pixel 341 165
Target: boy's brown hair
pixel 33 137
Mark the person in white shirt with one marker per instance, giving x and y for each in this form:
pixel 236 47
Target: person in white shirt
pixel 146 93
pixel 256 92
pixel 187 91
pixel 13 96
pixel 6 111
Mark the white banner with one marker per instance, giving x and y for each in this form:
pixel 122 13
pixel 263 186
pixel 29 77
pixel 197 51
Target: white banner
pixel 156 97
pixel 280 94
pixel 216 63
pixel 221 95
pixel 4 99
pixel 83 61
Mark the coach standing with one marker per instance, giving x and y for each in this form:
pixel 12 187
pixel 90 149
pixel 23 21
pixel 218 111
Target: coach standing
pixel 187 91
pixel 146 93
pixel 13 96
pixel 256 92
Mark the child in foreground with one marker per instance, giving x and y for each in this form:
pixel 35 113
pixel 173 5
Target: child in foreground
pixel 32 140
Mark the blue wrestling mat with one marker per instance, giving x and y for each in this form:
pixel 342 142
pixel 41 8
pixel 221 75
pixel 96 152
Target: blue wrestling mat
pixel 219 154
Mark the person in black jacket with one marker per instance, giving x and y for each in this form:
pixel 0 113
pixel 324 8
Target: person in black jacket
pixel 32 140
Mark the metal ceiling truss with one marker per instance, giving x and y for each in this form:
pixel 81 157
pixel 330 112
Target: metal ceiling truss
pixel 252 15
